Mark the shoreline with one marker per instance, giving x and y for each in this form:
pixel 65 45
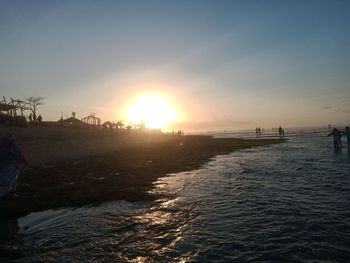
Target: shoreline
pixel 124 171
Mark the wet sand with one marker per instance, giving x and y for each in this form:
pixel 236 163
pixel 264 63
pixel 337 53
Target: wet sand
pixel 71 167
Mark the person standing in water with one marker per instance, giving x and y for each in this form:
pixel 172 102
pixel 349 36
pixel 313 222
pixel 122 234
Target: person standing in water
pixel 347 133
pixel 280 132
pixel 11 160
pixel 336 138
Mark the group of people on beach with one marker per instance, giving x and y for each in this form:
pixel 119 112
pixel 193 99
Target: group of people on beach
pixel 337 134
pixel 258 130
pixel 33 118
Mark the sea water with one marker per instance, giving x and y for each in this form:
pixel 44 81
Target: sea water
pixel 279 203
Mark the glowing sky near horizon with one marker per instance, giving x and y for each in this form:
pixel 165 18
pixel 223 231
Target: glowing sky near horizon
pixel 224 64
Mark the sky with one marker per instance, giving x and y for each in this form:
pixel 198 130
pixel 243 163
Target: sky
pixel 222 65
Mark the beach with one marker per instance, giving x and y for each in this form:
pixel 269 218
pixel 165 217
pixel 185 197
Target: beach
pixel 75 167
pixel 274 203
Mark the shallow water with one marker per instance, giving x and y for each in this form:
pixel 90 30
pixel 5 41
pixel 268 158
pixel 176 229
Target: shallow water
pixel 281 203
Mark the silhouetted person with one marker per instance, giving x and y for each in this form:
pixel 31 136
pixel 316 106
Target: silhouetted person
pixel 11 160
pixel 280 132
pixel 258 131
pixel 40 119
pixel 30 118
pixel 347 133
pixel 336 137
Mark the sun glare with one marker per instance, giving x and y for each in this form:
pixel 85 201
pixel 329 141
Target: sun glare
pixel 154 110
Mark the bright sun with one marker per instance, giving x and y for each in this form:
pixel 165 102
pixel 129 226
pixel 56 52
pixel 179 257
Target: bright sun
pixel 154 110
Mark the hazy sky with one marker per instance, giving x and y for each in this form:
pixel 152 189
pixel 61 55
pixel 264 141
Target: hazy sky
pixel 223 64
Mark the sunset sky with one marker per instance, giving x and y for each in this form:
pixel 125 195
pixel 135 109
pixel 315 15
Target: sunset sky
pixel 219 64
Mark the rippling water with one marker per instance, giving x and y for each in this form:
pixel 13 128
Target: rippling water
pixel 281 203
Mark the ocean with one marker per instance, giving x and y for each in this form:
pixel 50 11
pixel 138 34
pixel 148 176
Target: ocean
pixel 288 202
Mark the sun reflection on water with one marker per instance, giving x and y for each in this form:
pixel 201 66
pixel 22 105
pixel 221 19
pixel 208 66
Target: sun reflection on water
pixel 160 228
